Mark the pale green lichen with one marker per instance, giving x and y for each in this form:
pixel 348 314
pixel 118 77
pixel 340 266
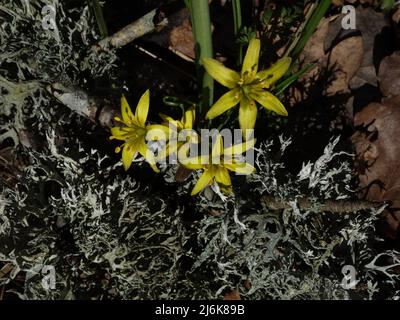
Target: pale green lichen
pixel 111 236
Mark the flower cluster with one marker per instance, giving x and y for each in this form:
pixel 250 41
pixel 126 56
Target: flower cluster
pixel 246 88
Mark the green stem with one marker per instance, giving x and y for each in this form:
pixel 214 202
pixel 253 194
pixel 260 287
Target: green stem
pixel 201 23
pixel 310 26
pixel 98 13
pixel 281 87
pixel 237 24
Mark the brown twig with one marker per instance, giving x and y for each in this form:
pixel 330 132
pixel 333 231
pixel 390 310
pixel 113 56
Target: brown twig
pixel 155 20
pixel 135 30
pixel 82 103
pixel 336 206
pixel 2 293
pixel 6 270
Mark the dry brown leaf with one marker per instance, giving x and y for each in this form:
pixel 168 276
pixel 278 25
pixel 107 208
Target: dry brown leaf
pixel 370 23
pixel 342 2
pixel 389 75
pixel 178 36
pixel 344 59
pixel 233 295
pixel 377 145
pixel 181 37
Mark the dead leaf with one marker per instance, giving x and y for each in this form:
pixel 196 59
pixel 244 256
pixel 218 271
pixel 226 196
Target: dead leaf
pixel 233 295
pixel 6 270
pixel 389 75
pixel 328 52
pixel 181 38
pixel 345 60
pixel 377 145
pixel 178 36
pixel 342 2
pixel 371 24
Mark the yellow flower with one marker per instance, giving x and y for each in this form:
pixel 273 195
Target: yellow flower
pixel 217 165
pixel 135 132
pixel 247 87
pixel 177 126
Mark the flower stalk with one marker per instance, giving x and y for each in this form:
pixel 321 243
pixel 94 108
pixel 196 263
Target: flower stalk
pixel 201 24
pixel 237 25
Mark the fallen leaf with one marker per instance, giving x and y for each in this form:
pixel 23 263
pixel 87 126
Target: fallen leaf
pixel 233 295
pixel 377 145
pixel 389 75
pixel 331 50
pixel 178 35
pixel 370 24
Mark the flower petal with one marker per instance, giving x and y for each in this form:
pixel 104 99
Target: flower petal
pixel 119 133
pixel 205 180
pixel 127 115
pixel 191 161
pixel 269 101
pixel 222 176
pixel 217 149
pixel 227 101
pixel 250 63
pixel 247 116
pixel 128 153
pixel 142 109
pixel 189 118
pixel 241 168
pixel 194 163
pixel 222 74
pixel 240 148
pixel 275 72
pixel 157 132
pixel 166 118
pixel 147 154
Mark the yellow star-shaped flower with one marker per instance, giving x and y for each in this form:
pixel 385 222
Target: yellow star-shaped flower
pixel 247 87
pixel 176 127
pixel 135 132
pixel 217 165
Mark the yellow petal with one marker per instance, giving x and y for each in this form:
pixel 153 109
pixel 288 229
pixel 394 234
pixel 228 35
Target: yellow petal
pixel 194 163
pixel 227 101
pixel 222 176
pixel 189 118
pixel 250 63
pixel 222 74
pixel 247 116
pixel 119 133
pixel 172 148
pixel 163 154
pixel 269 101
pixel 241 168
pixel 217 149
pixel 240 148
pixel 142 109
pixel 275 72
pixel 128 152
pixel 205 180
pixel 127 115
pixel 166 118
pixel 157 132
pixel 147 154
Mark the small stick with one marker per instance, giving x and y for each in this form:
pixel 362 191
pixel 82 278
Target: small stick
pixel 135 30
pixel 336 206
pixel 85 105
